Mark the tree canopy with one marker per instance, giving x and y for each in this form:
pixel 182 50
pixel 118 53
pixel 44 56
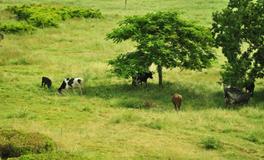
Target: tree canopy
pixel 162 39
pixel 239 30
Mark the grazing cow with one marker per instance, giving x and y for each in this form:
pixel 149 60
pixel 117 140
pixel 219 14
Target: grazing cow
pixel 234 95
pixel 141 77
pixel 177 101
pixel 46 82
pixel 250 86
pixel 71 83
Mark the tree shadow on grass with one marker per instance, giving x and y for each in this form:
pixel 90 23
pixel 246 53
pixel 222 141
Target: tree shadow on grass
pixel 258 99
pixel 125 95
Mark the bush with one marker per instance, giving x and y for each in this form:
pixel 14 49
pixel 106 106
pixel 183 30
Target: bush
pixel 16 27
pixel 210 143
pixel 71 12
pixel 47 16
pixel 14 143
pixel 42 20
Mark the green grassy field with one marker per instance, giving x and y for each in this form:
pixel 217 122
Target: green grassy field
pixel 113 120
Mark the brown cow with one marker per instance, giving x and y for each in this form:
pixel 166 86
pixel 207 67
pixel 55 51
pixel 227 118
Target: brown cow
pixel 176 100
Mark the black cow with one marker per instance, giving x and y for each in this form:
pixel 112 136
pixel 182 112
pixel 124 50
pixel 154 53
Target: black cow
pixel 46 82
pixel 234 95
pixel 141 77
pixel 250 86
pixel 71 83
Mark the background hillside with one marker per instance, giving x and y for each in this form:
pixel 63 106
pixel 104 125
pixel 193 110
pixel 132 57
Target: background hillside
pixel 112 119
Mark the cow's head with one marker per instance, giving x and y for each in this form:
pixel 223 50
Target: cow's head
pixel 63 86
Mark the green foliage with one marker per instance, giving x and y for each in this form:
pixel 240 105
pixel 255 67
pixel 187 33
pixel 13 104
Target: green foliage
pixel 211 143
pixel 129 64
pixel 14 143
pixel 45 16
pixel 71 12
pixel 15 27
pixel 239 30
pixel 162 39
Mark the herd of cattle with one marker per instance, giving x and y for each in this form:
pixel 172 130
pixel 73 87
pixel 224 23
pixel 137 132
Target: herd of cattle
pixel 71 83
pixel 232 95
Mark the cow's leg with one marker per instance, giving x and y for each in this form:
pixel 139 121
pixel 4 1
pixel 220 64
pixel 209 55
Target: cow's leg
pixel 175 107
pixel 80 88
pixel 179 105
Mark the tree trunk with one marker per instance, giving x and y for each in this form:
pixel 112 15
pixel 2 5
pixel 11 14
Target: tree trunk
pixel 159 69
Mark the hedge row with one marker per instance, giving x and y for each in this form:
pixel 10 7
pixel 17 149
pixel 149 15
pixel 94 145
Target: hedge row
pixel 16 27
pixel 41 16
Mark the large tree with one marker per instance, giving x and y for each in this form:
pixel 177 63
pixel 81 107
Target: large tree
pixel 239 30
pixel 162 39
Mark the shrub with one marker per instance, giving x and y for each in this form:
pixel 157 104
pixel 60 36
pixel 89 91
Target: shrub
pixel 71 12
pixel 16 27
pixel 210 143
pixel 14 143
pixel 42 20
pixel 47 16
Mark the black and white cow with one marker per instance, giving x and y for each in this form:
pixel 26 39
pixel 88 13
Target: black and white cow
pixel 69 83
pixel 46 82
pixel 234 95
pixel 141 77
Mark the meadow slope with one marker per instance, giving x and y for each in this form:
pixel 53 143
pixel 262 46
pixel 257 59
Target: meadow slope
pixel 113 120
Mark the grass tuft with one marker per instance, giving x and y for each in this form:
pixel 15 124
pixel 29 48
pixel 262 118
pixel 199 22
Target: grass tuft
pixel 125 117
pixel 22 113
pixel 210 143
